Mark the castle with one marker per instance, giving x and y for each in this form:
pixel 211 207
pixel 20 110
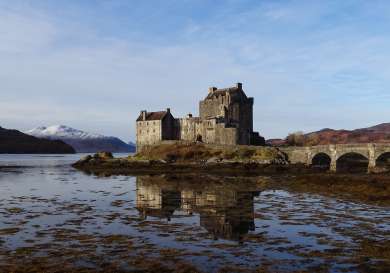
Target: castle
pixel 225 118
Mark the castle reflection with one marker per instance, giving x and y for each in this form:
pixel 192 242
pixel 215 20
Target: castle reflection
pixel 225 208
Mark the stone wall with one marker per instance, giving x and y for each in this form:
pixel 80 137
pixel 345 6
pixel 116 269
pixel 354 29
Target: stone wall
pixel 149 132
pixel 305 155
pixel 225 136
pixel 211 108
pixel 168 127
pixel 234 112
pixel 189 128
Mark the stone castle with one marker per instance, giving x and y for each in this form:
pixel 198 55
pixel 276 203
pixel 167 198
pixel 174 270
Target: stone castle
pixel 225 118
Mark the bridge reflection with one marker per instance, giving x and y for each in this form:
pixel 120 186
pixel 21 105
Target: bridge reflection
pixel 226 210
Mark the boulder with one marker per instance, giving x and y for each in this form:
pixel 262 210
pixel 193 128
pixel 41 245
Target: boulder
pixel 212 160
pixel 103 155
pixel 86 158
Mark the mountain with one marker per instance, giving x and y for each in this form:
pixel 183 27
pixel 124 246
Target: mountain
pixel 378 133
pixel 15 142
pixel 81 141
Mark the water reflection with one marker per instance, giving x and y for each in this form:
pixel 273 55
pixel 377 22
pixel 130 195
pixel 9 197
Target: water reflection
pixel 57 217
pixel 226 211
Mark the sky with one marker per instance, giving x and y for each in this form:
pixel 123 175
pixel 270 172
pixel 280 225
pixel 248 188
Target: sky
pixel 94 64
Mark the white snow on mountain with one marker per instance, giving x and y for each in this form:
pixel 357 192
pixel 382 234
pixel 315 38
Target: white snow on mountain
pixel 62 131
pixel 81 141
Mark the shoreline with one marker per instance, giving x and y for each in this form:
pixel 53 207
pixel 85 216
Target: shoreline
pixel 124 166
pixel 105 163
pixel 372 188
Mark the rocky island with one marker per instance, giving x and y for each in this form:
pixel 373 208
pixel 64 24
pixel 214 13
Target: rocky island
pixel 181 157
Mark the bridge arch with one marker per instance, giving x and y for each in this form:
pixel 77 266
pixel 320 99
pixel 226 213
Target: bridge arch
pixel 352 161
pixel 321 160
pixel 383 160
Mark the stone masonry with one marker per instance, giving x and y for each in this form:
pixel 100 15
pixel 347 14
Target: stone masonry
pixel 225 118
pixel 371 151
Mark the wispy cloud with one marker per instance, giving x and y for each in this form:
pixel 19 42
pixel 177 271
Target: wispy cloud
pixel 309 64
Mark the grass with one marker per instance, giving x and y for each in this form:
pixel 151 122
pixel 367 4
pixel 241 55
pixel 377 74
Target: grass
pixel 182 152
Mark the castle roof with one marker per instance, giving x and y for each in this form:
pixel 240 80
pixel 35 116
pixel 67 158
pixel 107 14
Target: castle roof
pixel 153 115
pixel 235 92
pixel 221 92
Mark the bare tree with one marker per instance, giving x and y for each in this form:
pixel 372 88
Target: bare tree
pixel 296 139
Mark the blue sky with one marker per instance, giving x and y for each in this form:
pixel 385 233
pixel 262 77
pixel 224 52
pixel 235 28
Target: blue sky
pixel 94 65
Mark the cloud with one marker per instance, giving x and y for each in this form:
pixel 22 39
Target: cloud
pixel 73 70
pixel 24 34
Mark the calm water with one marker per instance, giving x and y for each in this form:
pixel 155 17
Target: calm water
pixel 49 210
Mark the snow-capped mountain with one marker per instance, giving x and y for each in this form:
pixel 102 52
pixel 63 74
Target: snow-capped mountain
pixel 62 131
pixel 82 142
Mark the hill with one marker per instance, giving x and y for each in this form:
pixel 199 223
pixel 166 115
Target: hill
pixel 81 141
pixel 15 142
pixel 378 134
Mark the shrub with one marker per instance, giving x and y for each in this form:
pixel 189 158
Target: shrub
pixel 195 152
pixel 246 153
pixel 296 139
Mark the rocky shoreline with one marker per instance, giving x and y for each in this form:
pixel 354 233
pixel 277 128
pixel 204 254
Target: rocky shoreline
pixel 367 188
pixel 105 163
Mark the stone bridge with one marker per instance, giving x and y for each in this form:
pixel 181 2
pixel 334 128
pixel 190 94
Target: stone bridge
pixel 372 152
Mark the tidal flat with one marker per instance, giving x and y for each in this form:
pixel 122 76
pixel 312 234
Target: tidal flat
pixel 54 218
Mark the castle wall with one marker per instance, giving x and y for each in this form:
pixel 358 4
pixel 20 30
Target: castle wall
pixel 246 122
pixel 149 132
pixel 168 128
pixel 208 131
pixel 226 136
pixel 235 110
pixel 214 107
pixel 189 128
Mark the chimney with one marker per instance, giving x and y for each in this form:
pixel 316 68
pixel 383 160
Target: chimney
pixel 168 110
pixel 189 115
pixel 143 114
pixel 239 85
pixel 212 89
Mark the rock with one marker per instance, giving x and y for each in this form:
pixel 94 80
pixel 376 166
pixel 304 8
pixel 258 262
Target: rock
pixel 103 155
pixel 213 160
pixel 228 161
pixel 378 170
pixel 158 162
pixel 86 158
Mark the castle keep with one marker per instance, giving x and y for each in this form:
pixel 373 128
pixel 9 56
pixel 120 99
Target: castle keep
pixel 225 118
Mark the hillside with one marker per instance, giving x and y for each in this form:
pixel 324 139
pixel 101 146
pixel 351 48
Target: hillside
pixel 81 141
pixel 15 142
pixel 378 133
